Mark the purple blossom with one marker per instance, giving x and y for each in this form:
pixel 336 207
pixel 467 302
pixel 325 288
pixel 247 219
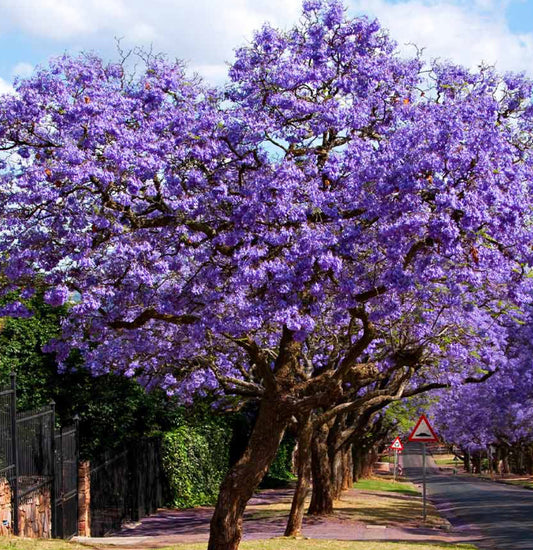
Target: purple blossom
pixel 57 296
pixel 331 182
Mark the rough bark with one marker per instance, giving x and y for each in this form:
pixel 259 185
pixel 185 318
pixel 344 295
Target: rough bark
pixel 336 456
pixel 359 452
pixel 243 478
pixel 347 475
pixel 303 468
pixel 342 470
pixel 322 496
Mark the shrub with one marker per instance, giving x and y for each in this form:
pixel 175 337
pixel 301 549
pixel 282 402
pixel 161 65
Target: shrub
pixel 195 460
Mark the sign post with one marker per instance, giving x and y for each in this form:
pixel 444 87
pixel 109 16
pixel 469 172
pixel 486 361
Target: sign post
pixel 423 433
pixel 397 447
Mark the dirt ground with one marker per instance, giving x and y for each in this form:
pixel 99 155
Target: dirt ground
pixel 386 517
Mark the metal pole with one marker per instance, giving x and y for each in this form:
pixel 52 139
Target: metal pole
pixel 395 463
pixel 15 454
pixel 424 480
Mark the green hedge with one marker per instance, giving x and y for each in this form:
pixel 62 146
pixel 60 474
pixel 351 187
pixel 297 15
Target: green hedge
pixel 195 460
pixel 281 467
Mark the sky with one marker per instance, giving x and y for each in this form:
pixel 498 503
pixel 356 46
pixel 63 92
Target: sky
pixel 205 33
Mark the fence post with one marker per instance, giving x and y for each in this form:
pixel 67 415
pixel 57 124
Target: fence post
pixel 15 457
pixel 53 467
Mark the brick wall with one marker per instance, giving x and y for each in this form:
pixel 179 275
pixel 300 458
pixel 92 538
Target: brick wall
pixel 5 507
pixel 35 515
pixel 35 512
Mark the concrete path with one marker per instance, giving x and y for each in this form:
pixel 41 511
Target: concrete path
pixel 501 514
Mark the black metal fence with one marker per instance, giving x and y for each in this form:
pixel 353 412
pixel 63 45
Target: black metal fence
pixel 126 486
pixel 65 496
pixel 40 465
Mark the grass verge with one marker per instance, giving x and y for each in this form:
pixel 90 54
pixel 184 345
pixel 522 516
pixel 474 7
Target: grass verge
pixel 387 486
pixel 447 460
pixel 12 543
pixel 15 543
pixel 308 544
pixel 370 502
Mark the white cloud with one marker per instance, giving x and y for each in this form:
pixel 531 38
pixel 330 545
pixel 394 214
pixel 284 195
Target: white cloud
pixel 5 87
pixel 59 19
pixel 202 32
pixel 205 32
pixel 22 69
pixel 466 32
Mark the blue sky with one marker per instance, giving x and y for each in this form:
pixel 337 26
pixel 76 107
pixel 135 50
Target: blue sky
pixel 204 32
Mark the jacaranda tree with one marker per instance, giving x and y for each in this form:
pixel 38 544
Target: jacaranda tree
pixel 497 414
pixel 336 217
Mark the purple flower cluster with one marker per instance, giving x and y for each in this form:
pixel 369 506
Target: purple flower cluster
pixel 330 177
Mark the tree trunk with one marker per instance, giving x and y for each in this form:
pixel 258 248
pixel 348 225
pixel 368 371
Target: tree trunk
pixel 476 462
pixel 347 477
pixel 369 459
pixel 504 465
pixel 322 496
pixel 243 478
pixel 342 475
pixel 335 459
pixel 359 451
pixel 468 464
pixel 338 452
pixel 303 468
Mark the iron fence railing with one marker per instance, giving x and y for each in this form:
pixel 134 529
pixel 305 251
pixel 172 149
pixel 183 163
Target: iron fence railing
pixel 126 486
pixel 36 459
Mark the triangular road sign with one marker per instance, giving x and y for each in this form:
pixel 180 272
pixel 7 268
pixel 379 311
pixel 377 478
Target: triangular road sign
pixel 397 444
pixel 423 431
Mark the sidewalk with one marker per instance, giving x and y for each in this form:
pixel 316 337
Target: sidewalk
pixel 265 518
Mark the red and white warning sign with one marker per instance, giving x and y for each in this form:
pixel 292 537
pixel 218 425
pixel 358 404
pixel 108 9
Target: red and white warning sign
pixel 397 444
pixel 423 431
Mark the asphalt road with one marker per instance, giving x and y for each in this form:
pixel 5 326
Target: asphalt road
pixel 501 514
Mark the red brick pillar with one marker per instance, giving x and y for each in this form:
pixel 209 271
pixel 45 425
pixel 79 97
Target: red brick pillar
pixel 84 499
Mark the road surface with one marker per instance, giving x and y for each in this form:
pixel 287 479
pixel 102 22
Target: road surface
pixel 502 514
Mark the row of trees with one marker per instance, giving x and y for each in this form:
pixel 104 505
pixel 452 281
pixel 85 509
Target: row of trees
pixel 493 422
pixel 336 229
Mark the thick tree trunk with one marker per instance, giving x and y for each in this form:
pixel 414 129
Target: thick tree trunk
pixel 347 476
pixel 322 496
pixel 359 451
pixel 337 472
pixel 243 478
pixel 342 471
pixel 369 459
pixel 303 468
pixel 468 464
pixel 339 453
